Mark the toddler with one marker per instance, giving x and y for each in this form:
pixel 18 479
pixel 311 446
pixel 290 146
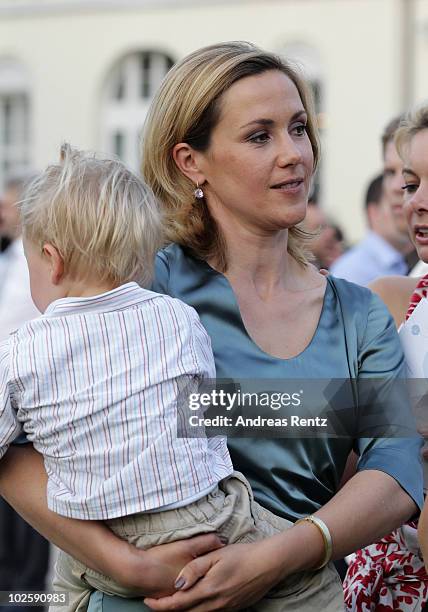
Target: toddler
pixel 94 381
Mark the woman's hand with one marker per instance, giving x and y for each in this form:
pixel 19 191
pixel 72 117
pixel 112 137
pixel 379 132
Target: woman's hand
pixel 154 572
pixel 231 578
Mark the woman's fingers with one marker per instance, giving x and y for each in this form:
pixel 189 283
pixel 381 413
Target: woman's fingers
pixel 228 579
pixel 200 545
pixel 192 572
pixel 203 596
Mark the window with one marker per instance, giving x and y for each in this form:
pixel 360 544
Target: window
pixel 14 120
pixel 127 95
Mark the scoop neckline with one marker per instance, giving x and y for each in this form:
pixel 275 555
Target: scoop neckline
pixel 328 289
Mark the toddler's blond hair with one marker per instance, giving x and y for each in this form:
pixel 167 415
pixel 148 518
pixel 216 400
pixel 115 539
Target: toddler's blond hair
pixel 103 219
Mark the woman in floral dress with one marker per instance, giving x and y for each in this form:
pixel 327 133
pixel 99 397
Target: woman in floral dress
pixel 390 575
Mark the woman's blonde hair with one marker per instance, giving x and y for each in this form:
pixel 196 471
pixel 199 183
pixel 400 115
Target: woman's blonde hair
pixel 104 221
pixel 186 108
pixel 412 123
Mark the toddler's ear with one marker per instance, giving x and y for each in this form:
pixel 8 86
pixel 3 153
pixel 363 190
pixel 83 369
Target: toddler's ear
pixel 56 263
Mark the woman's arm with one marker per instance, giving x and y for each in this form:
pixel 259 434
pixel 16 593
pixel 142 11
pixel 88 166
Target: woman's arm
pixel 23 483
pixel 368 506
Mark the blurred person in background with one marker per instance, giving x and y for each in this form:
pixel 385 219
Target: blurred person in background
pixel 24 554
pixel 380 253
pixel 328 242
pixel 362 267
pixel 16 305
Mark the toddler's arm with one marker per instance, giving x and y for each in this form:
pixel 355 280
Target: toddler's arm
pixel 10 427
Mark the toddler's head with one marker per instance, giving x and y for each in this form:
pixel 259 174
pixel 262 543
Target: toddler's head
pixel 89 225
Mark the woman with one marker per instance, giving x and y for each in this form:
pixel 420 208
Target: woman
pixel 230 148
pixel 391 573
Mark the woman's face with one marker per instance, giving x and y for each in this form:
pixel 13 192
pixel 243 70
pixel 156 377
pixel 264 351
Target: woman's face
pixel 259 164
pixel 415 174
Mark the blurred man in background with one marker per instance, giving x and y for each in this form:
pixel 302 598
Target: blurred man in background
pixel 386 250
pixel 24 554
pixel 378 254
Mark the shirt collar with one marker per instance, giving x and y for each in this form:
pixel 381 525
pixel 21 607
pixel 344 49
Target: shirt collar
pixel 120 298
pixel 385 253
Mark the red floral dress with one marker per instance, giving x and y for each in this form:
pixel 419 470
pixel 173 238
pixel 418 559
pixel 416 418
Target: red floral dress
pixel 390 575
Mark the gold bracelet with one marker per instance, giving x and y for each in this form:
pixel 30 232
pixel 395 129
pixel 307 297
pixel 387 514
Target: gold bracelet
pixel 326 536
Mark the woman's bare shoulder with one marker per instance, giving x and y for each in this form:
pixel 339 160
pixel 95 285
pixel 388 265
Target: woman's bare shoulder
pixel 396 292
pixel 390 286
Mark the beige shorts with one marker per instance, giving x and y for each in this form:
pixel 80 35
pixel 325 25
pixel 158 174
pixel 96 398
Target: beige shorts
pixel 230 511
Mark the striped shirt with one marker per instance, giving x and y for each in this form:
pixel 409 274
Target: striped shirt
pixel 94 383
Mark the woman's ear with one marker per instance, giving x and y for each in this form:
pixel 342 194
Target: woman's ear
pixel 56 263
pixel 186 159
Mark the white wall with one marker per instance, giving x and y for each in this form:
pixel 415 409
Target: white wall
pixel 69 55
pixel 421 51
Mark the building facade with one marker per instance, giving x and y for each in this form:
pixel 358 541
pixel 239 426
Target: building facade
pixel 84 72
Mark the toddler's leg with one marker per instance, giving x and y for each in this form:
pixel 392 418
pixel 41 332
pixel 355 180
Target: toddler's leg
pixel 144 531
pixel 68 579
pixel 80 581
